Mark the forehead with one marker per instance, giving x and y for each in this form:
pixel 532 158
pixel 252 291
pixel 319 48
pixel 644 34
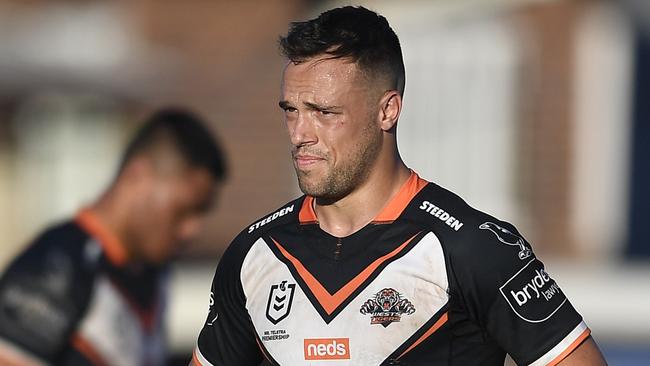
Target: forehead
pixel 321 77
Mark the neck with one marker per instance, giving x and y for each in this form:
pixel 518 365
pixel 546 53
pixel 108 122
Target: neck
pixel 113 215
pixel 361 206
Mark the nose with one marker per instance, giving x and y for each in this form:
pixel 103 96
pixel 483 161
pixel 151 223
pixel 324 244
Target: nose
pixel 301 129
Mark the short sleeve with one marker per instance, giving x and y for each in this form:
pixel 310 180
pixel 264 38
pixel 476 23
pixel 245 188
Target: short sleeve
pixel 512 296
pixel 228 336
pixel 41 298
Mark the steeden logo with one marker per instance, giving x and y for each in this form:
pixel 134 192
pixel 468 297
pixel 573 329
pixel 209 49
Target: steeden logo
pixel 327 349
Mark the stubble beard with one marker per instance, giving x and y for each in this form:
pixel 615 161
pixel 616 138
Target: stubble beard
pixel 339 181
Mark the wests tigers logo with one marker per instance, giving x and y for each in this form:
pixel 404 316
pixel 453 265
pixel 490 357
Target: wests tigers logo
pixel 386 307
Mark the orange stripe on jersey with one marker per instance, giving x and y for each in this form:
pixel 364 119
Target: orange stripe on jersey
pixel 113 247
pixel 389 213
pixel 571 348
pixel 195 359
pixel 88 350
pixel 307 214
pixel 396 205
pixel 328 301
pixel 443 319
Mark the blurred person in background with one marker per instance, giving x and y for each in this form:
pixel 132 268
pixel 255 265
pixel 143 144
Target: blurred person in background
pixel 374 265
pixel 92 290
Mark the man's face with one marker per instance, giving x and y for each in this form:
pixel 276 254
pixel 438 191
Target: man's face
pixel 331 118
pixel 170 212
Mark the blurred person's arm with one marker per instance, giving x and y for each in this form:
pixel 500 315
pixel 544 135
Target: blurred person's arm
pixel 587 354
pixel 11 356
pixel 42 293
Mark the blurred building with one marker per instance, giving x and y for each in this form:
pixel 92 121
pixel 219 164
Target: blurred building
pixel 532 110
pixel 75 77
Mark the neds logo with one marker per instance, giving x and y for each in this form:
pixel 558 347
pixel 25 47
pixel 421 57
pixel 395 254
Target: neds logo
pixel 327 349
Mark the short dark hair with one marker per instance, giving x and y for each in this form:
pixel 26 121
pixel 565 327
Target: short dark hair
pixel 188 135
pixel 356 33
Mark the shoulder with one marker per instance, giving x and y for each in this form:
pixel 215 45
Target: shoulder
pixel 61 261
pixel 44 291
pixel 60 265
pixel 445 213
pixel 284 215
pixel 466 232
pixel 64 242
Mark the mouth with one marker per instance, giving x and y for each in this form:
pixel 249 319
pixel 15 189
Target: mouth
pixel 304 161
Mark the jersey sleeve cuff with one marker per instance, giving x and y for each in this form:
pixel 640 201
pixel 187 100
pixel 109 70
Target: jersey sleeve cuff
pixel 198 359
pixel 564 347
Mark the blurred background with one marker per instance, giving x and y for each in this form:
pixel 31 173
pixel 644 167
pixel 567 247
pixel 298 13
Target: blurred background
pixel 533 110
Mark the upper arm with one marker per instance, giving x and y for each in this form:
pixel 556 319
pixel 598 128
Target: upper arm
pixel 228 336
pixel 40 302
pixel 12 356
pixel 508 292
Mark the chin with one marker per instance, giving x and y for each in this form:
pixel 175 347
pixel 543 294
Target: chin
pixel 309 189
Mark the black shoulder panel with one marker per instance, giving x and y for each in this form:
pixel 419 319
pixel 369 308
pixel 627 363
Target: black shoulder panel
pixel 283 215
pixel 45 291
pixel 495 276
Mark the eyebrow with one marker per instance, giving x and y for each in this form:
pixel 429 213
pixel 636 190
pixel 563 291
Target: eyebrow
pixel 285 104
pixel 319 107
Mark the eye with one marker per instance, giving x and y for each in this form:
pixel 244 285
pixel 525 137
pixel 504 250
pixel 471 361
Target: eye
pixel 289 109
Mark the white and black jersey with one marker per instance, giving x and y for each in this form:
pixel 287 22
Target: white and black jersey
pixel 431 281
pixel 71 300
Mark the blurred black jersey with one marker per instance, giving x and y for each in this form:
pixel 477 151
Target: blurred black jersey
pixel 72 299
pixel 431 281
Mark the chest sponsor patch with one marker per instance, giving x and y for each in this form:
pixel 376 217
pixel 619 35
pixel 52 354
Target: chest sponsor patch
pixel 327 349
pixel 386 307
pixel 532 294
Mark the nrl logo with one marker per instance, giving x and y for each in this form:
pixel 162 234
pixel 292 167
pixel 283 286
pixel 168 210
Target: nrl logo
pixel 216 315
pixel 386 307
pixel 280 299
pixel 507 237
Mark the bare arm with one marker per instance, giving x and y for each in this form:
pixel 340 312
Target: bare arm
pixel 13 357
pixel 587 353
pixel 12 361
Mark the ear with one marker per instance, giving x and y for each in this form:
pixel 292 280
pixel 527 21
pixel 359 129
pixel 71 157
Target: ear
pixel 390 107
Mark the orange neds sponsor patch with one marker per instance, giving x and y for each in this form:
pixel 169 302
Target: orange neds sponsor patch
pixel 327 349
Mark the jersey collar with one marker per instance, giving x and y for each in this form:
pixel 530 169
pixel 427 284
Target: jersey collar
pixel 110 243
pixel 388 214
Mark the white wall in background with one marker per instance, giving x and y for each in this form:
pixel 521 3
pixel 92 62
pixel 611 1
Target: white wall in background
pixel 66 151
pixel 603 80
